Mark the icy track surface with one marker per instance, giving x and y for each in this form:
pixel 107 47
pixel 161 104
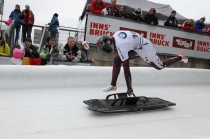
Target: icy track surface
pixel 47 103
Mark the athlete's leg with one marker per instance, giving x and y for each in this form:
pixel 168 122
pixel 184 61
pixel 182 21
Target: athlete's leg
pixel 116 70
pixel 115 73
pixel 117 67
pixel 170 61
pixel 127 73
pixel 166 63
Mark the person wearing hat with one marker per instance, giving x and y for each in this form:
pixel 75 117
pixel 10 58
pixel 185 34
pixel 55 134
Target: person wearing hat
pixel 54 25
pixel 48 50
pixel 27 22
pixel 200 25
pixel 29 49
pixel 171 21
pixel 151 18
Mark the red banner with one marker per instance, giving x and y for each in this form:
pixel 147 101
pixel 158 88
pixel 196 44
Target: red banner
pixel 183 43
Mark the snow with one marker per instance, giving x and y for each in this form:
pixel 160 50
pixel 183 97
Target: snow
pixel 47 102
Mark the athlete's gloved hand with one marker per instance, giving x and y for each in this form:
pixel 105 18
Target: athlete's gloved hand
pixel 48 56
pixel 55 54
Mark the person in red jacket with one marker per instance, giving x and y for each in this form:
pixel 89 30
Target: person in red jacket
pixel 208 30
pixel 188 25
pixel 97 6
pixel 112 8
pixel 28 20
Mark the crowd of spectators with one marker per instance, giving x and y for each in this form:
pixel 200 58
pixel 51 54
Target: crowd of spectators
pixel 71 52
pixel 99 6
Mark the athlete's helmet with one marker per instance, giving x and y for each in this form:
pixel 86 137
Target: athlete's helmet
pixel 105 44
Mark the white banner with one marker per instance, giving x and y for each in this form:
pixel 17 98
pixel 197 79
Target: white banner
pixel 1 7
pixel 165 40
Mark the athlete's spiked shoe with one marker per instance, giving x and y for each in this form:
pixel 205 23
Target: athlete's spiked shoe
pixel 109 88
pixel 184 58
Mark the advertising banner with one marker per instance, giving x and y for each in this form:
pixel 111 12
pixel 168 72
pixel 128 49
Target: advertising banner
pixel 165 40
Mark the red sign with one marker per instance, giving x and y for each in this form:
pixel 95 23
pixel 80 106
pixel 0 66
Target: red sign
pixel 183 43
pixel 158 39
pixel 143 33
pixel 99 29
pixel 203 46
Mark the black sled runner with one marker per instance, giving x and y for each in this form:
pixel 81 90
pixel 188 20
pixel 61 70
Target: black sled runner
pixel 122 102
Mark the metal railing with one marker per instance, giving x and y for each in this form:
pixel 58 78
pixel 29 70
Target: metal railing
pixel 61 36
pixel 39 35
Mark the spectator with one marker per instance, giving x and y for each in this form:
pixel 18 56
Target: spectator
pixel 122 13
pixel 151 18
pixel 70 52
pixel 137 15
pixel 97 6
pixel 208 30
pixel 54 25
pixel 200 25
pixel 79 44
pixel 4 47
pixel 29 49
pixel 171 21
pixel 14 15
pixel 188 25
pixel 27 23
pixel 112 9
pixel 84 12
pixel 48 50
pixel 88 8
pixel 83 47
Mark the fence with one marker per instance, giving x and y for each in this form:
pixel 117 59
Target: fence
pixel 39 35
pixel 61 36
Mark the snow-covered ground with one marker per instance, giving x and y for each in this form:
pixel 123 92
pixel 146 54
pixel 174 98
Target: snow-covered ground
pixel 47 103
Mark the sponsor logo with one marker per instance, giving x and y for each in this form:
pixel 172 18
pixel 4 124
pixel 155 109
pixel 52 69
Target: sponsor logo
pixel 203 46
pixel 143 33
pixel 183 43
pixel 158 39
pixel 122 35
pixel 100 29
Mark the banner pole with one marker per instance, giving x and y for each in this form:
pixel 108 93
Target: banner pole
pixel 1 22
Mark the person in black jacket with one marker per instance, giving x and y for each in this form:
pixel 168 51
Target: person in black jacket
pixel 122 13
pixel 70 52
pixel 171 21
pixel 137 15
pixel 151 18
pixel 29 49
